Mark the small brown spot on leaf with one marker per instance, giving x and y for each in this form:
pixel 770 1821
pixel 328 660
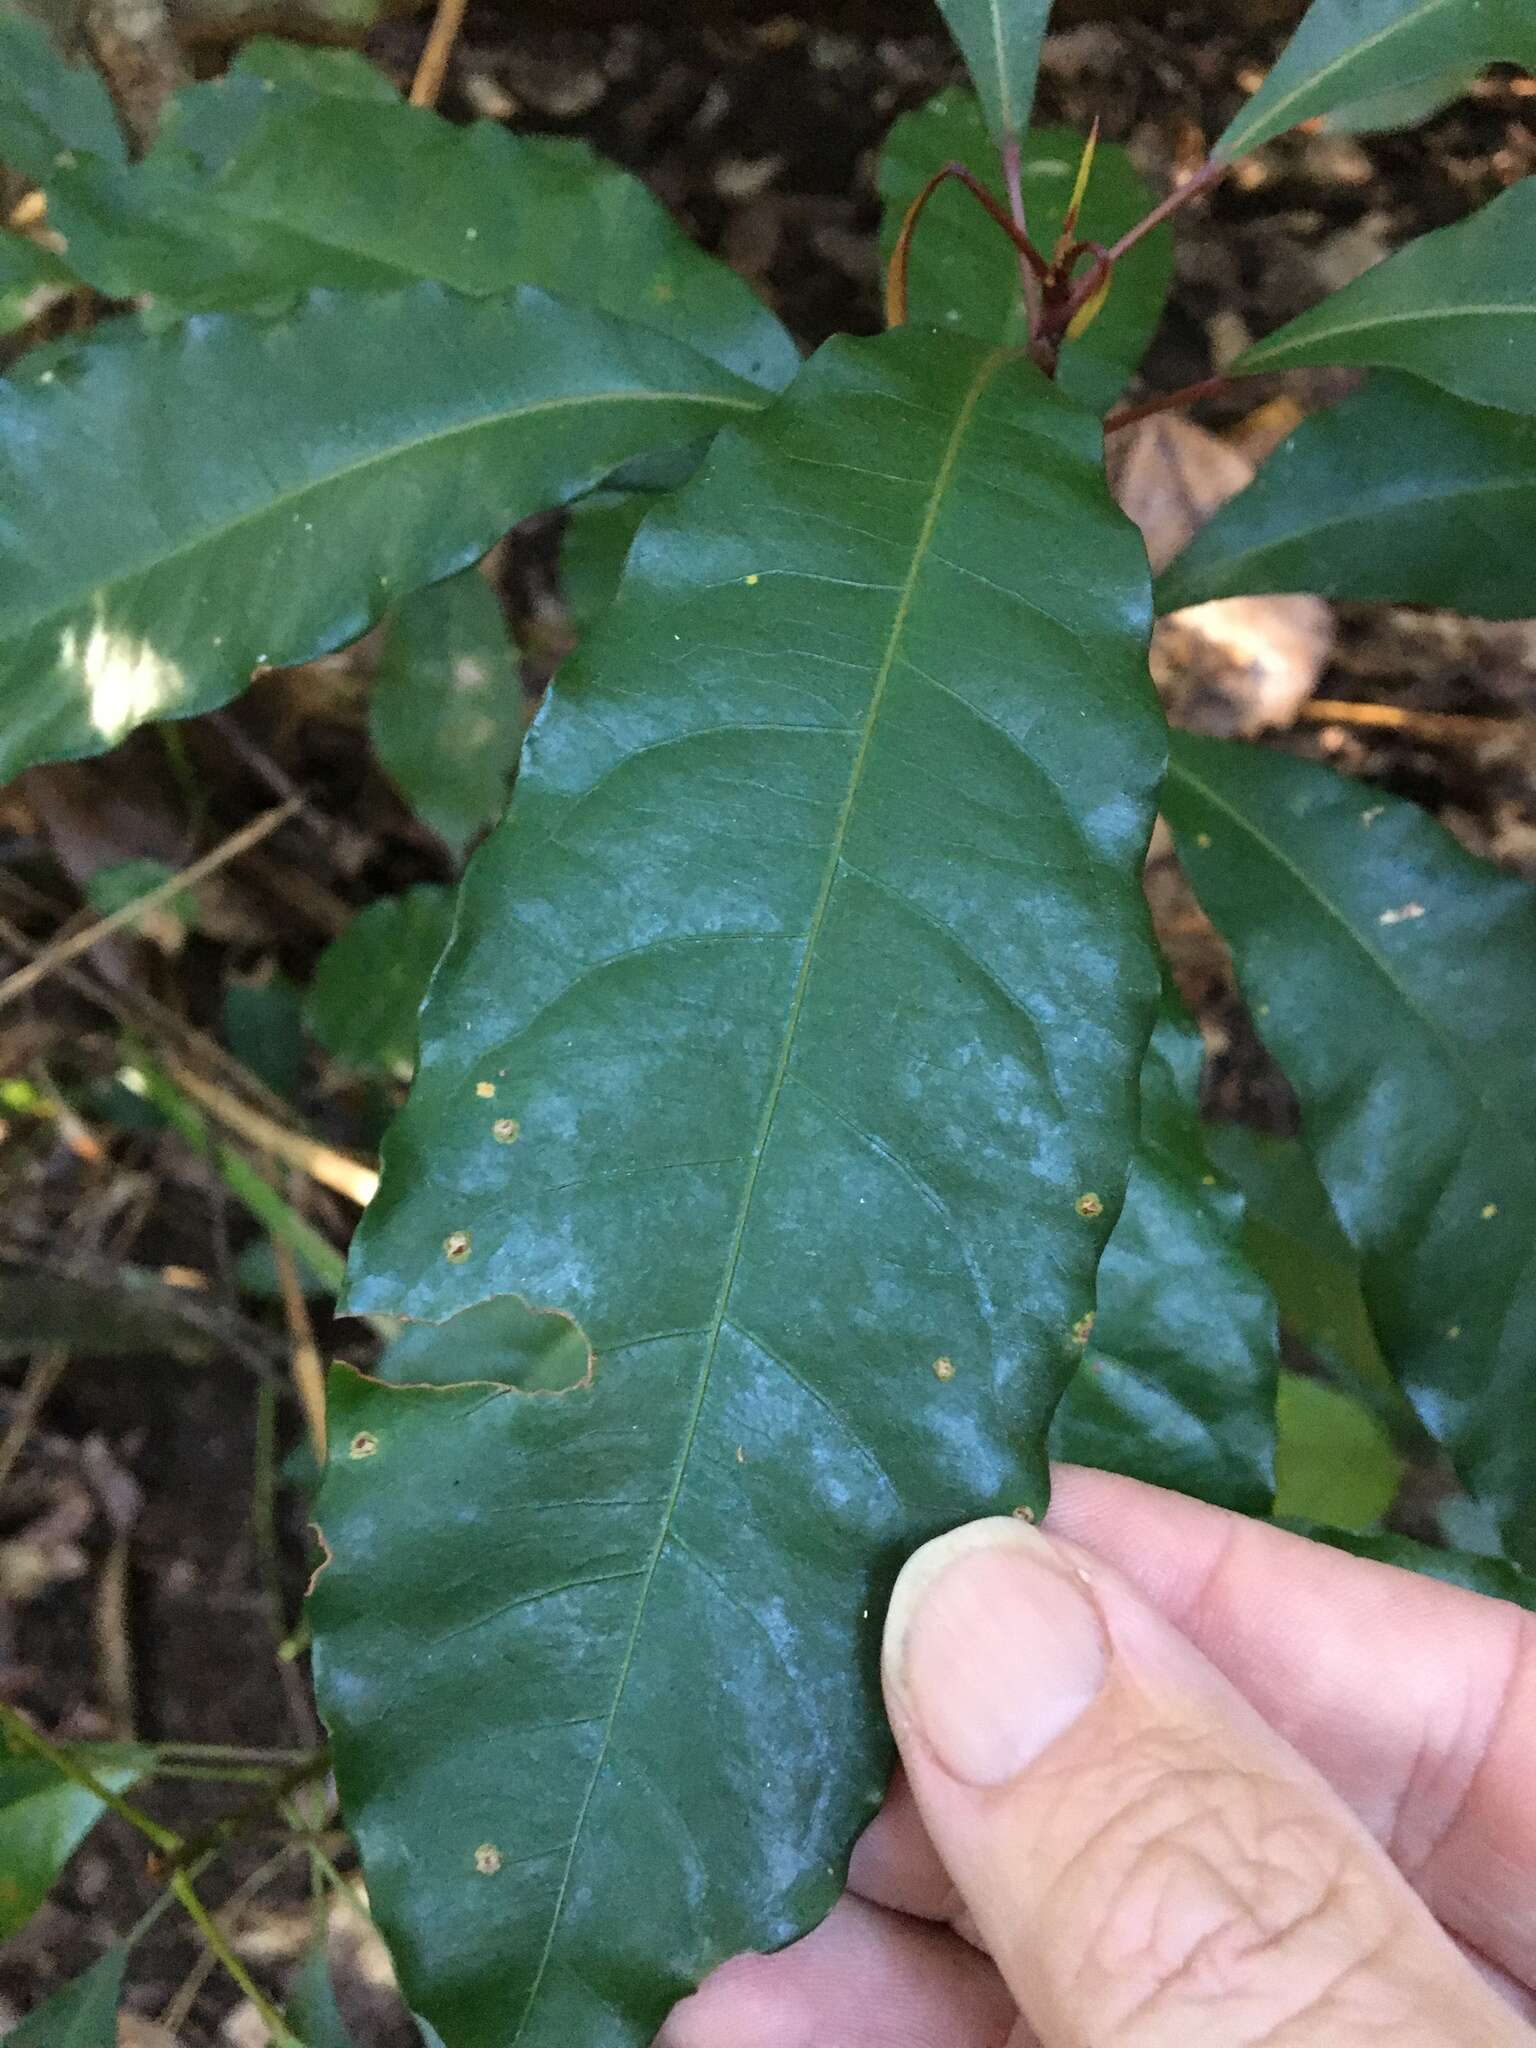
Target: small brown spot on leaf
pixel 1089 1205
pixel 456 1246
pixel 487 1859
pixel 943 1368
pixel 1024 1514
pixel 364 1444
pixel 505 1130
pixel 485 1090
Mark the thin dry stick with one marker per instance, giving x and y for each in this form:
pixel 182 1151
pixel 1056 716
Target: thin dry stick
pixel 338 1171
pixel 308 1370
pixel 59 955
pixel 174 2015
pixel 43 1376
pixel 433 68
pixel 1441 728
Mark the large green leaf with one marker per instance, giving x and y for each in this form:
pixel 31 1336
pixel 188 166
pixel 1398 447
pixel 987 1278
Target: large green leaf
pixel 44 1817
pixel 264 186
pixel 50 110
pixel 1178 1380
pixel 1457 307
pixel 1400 493
pixel 1000 42
pixel 1334 1462
pixel 446 711
pixel 1345 50
pixel 810 973
pixel 175 510
pixel 964 274
pixel 82 2014
pixel 1396 981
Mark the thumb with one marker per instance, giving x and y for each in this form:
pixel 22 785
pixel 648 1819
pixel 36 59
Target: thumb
pixel 1150 1865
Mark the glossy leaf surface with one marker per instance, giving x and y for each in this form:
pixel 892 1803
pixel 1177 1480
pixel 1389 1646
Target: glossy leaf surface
pixel 1399 493
pixel 597 539
pixel 283 178
pixel 44 1817
pixel 82 2014
pixel 369 982
pixel 811 970
pixel 1396 977
pixel 1000 42
pixel 1457 307
pixel 964 273
pixel 446 711
pixel 1345 50
pixel 1178 1377
pixel 306 473
pixel 1403 106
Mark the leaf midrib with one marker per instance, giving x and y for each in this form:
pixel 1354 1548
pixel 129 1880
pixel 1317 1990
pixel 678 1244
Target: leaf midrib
pixel 1454 1057
pixel 964 413
pixel 213 536
pixel 1266 351
pixel 1355 51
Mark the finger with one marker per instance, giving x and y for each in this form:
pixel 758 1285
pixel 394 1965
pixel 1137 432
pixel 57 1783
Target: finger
pixel 1416 1700
pixel 894 1864
pixel 1148 1862
pixel 864 1979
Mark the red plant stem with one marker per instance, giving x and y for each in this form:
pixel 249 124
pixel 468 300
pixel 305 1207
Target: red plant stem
pixel 1187 394
pixel 1209 174
pixel 1013 182
pixel 896 276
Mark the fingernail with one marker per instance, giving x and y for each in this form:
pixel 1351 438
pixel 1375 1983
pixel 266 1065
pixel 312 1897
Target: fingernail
pixel 993 1647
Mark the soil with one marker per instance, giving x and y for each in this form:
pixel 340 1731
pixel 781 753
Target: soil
pixel 760 130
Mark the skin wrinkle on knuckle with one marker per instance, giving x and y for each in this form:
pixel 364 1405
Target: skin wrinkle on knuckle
pixel 1203 1884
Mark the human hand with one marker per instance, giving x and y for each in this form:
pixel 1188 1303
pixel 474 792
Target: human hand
pixel 1173 1779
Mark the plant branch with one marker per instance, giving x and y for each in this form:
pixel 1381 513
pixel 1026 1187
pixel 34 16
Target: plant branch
pixel 20 1734
pixel 1209 174
pixel 271 1796
pixel 1013 184
pixel 433 67
pixel 896 274
pixel 1166 401
pixel 213 1936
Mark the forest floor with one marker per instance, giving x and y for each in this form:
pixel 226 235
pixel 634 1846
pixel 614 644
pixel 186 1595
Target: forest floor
pixel 151 1568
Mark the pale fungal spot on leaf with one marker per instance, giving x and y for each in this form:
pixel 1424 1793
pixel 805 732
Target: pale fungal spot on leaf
pixel 1203 841
pixel 456 1246
pixel 943 1368
pixel 505 1130
pixel 1089 1205
pixel 1454 1332
pixel 487 1859
pixel 1404 914
pixel 754 578
pixel 1207 1180
pixel 1082 1329
pixel 741 1454
pixel 485 1090
pixel 1369 817
pixel 1490 1210
pixel 364 1444
pixel 661 291
pixel 471 234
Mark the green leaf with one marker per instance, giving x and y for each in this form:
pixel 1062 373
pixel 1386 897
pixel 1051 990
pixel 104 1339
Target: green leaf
pixel 368 984
pixel 1333 1462
pixel 964 273
pixel 1490 1576
pixel 811 965
pixel 1000 42
pixel 598 536
pixel 1346 50
pixel 446 715
pixel 1178 1381
pixel 1402 106
pixel 1394 977
pixel 29 276
pixel 285 176
pixel 1293 1239
pixel 307 473
pixel 44 1817
pixel 1457 307
pixel 50 111
pixel 83 2014
pixel 1401 494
